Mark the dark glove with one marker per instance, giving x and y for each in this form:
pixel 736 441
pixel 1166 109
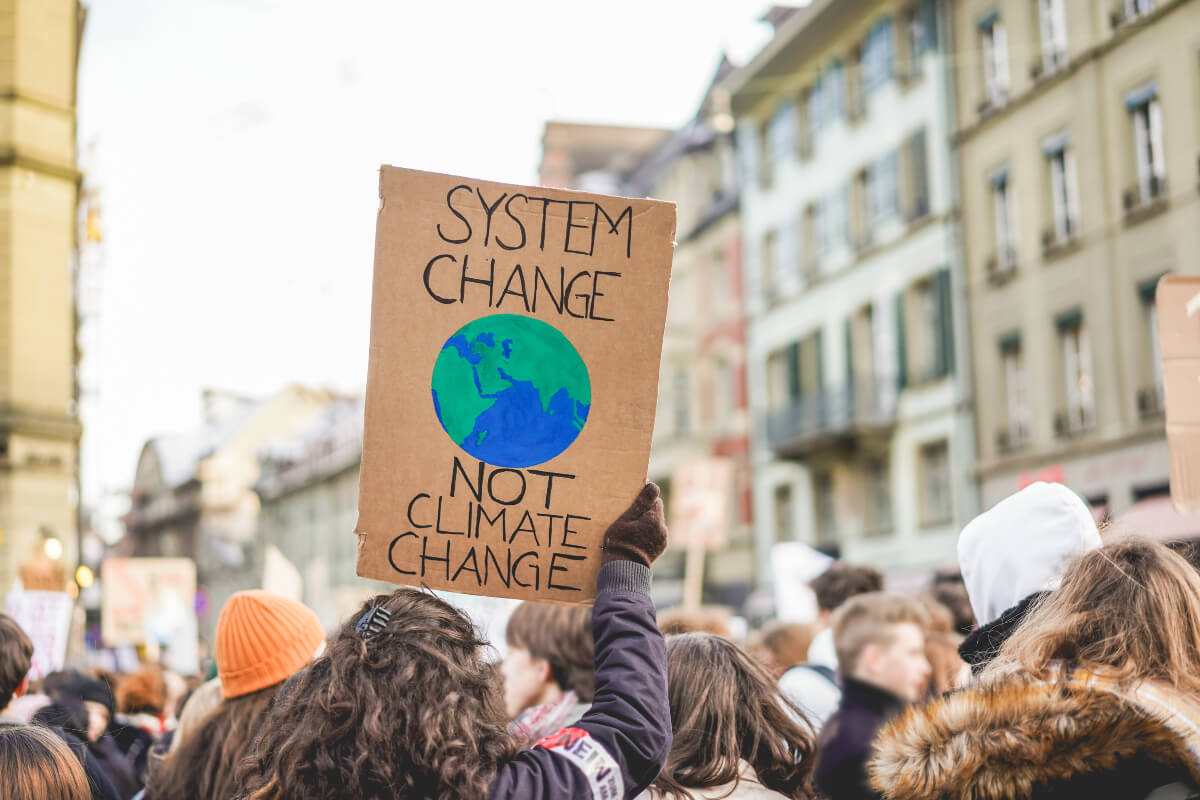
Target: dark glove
pixel 638 535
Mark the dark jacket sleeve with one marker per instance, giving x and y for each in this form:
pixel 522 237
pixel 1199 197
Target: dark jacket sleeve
pixel 620 745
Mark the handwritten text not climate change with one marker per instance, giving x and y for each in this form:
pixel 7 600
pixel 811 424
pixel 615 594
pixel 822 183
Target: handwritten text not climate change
pixel 524 223
pixel 528 549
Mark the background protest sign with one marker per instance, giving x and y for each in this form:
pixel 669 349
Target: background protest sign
pixel 512 382
pixel 1177 303
pixel 46 619
pixel 151 601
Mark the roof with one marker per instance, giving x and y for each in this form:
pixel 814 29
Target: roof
pixel 328 445
pixel 798 35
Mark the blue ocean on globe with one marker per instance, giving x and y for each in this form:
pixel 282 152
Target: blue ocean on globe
pixel 511 391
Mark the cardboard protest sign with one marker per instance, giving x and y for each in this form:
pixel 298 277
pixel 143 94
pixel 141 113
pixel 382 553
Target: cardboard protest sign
pixel 1177 303
pixel 512 382
pixel 46 619
pixel 151 600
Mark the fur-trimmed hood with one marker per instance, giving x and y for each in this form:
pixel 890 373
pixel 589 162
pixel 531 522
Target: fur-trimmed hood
pixel 1017 738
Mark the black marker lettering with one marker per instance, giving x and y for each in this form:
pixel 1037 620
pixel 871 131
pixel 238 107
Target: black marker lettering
pixel 454 211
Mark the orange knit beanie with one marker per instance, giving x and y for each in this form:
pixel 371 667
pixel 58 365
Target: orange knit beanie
pixel 263 639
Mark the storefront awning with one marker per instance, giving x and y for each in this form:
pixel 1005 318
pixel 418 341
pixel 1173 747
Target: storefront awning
pixel 1155 518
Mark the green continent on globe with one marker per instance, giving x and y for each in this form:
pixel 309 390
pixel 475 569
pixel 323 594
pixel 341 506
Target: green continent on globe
pixel 511 390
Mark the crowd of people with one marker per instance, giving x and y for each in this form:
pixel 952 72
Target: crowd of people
pixel 1055 666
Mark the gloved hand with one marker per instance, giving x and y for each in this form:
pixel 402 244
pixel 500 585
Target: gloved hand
pixel 640 534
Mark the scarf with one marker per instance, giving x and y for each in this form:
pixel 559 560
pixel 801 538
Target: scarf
pixel 537 722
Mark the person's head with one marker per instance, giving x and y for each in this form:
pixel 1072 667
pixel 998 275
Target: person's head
pixel 880 640
pixel 725 709
pixel 784 645
pixel 839 583
pixel 1022 545
pixel 97 700
pixel 550 652
pixel 1131 608
pixel 953 595
pixel 262 640
pixel 403 703
pixel 195 709
pixel 16 656
pixel 37 765
pixel 706 619
pixel 143 692
pixel 66 713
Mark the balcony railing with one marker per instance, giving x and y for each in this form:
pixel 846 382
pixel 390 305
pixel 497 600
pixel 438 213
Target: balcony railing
pixel 1145 198
pixel 1075 422
pixel 1002 266
pixel 827 417
pixel 1012 438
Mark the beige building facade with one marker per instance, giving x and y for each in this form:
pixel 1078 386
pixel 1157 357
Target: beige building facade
pixel 1078 144
pixel 39 184
pixel 862 442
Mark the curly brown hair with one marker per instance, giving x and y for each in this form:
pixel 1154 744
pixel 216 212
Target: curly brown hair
pixel 726 708
pixel 413 710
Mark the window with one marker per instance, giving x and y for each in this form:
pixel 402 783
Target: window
pixel 779 384
pixel 1150 397
pixel 781 132
pixel 827 98
pixel 922 30
pixel 1064 191
pixel 783 513
pixel 824 509
pixel 1004 216
pixel 1077 374
pixel 747 149
pixel 994 41
pixel 928 338
pixel 1146 114
pixel 831 223
pixel 683 402
pixel 878 54
pixel 937 504
pixel 1016 391
pixel 720 292
pixel 786 257
pixel 879 497
pixel 916 176
pixel 1052 20
pixel 770 269
pixel 1137 8
pixel 883 190
pixel 810 236
pixel 725 392
pixel 860 356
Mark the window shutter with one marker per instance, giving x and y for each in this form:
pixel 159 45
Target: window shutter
pixel 849 335
pixel 901 346
pixel 793 370
pixel 945 330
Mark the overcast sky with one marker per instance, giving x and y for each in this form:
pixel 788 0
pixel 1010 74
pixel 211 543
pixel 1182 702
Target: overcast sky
pixel 236 145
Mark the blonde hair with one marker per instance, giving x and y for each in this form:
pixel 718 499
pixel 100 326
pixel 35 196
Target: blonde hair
pixel 1131 608
pixel 37 765
pixel 871 618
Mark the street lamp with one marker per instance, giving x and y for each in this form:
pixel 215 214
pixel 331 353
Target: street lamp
pixel 53 547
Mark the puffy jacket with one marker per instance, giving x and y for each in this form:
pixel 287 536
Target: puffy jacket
pixel 1077 735
pixel 618 747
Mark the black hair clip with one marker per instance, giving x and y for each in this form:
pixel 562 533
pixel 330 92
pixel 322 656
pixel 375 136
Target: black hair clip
pixel 373 621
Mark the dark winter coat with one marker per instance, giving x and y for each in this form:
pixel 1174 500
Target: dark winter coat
pixel 1074 737
pixel 618 747
pixel 845 742
pixel 116 766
